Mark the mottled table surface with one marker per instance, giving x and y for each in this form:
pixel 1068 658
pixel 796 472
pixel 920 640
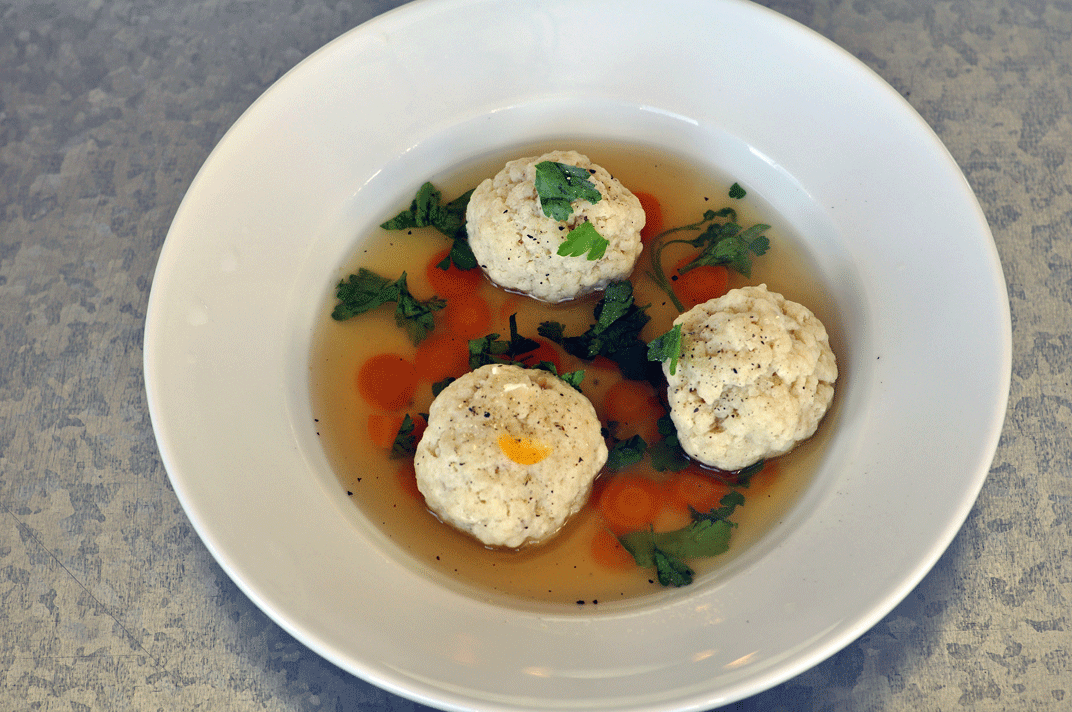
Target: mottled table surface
pixel 108 599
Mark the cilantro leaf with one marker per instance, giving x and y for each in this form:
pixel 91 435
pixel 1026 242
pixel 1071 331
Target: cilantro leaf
pixel 427 210
pixel 559 184
pixel 367 290
pixel 737 192
pixel 626 453
pixel 581 239
pixel 405 444
pixel 667 346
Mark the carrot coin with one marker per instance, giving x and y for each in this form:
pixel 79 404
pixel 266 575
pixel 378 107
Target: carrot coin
pixel 387 381
pixel 452 282
pixel 468 316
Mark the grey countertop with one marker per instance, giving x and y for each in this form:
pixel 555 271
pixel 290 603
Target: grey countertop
pixel 108 599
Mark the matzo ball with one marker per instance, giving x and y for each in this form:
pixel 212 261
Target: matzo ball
pixel 756 376
pixel 516 245
pixel 509 454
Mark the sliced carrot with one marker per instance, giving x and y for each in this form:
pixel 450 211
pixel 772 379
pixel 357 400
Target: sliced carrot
pixel 442 355
pixel 628 503
pixel 653 212
pixel 468 316
pixel 700 284
pixel 692 487
pixel 545 352
pixel 636 409
pixel 609 552
pixel 387 381
pixel 383 428
pixel 407 480
pixel 452 282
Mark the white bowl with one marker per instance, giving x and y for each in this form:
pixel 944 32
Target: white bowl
pixel 282 202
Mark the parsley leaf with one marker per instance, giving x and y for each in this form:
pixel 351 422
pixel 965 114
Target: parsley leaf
pixel 666 454
pixel 438 386
pixel 405 444
pixel 707 535
pixel 488 349
pixel 731 246
pixel 367 290
pixel 671 570
pixel 737 192
pixel 573 378
pixel 427 210
pixel 729 502
pixel 559 184
pixel 581 239
pixel 626 453
pixel 615 335
pixel 667 346
pixel 722 242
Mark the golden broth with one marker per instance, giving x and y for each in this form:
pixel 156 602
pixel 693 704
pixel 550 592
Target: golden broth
pixel 562 570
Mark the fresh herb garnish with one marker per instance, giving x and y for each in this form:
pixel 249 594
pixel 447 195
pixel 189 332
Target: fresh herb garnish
pixel 559 184
pixel 667 346
pixel 405 444
pixel 490 349
pixel 615 335
pixel 666 453
pixel 367 290
pixel 581 239
pixel 626 452
pixel 573 378
pixel 722 242
pixel 707 535
pixel 438 386
pixel 737 192
pixel 427 210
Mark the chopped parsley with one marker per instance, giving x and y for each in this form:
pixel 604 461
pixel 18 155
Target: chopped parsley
pixel 491 349
pixel 581 239
pixel 367 290
pixel 558 185
pixel 428 210
pixel 666 454
pixel 737 192
pixel 707 535
pixel 615 335
pixel 667 346
pixel 405 444
pixel 722 242
pixel 626 452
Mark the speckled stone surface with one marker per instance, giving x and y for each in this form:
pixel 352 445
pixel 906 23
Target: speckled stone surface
pixel 109 601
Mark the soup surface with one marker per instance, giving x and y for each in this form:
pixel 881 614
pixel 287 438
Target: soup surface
pixel 565 569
